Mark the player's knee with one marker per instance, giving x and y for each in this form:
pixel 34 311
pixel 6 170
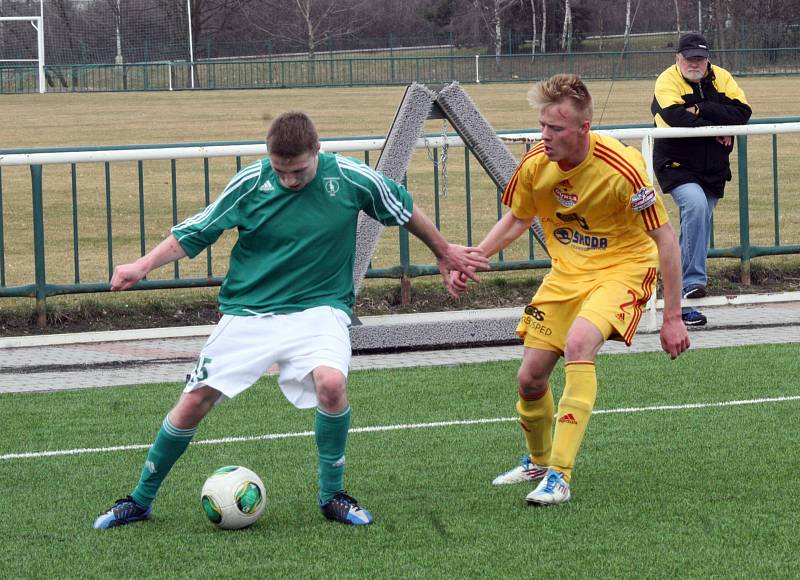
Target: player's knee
pixel 579 348
pixel 532 393
pixel 331 388
pixel 584 340
pixel 574 348
pixel 192 407
pixel 532 384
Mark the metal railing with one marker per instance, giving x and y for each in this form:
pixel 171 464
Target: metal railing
pixel 65 234
pixel 276 72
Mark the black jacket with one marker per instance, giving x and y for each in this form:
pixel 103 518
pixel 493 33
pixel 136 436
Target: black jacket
pixel 701 160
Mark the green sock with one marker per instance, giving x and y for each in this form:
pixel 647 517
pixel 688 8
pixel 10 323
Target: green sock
pixel 330 433
pixel 170 444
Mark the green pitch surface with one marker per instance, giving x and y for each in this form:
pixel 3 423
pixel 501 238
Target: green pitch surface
pixel 689 469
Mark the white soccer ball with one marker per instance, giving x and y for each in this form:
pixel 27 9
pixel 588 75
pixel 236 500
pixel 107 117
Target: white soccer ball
pixel 233 497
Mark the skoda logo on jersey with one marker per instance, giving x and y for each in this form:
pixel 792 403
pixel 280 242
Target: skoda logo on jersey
pixel 563 235
pixel 331 185
pixel 579 241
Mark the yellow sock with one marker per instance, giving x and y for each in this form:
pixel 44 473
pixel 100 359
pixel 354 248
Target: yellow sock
pixel 536 420
pixel 574 411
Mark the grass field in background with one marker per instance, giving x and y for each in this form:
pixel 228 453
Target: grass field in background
pixel 87 119
pixel 698 490
pixel 72 120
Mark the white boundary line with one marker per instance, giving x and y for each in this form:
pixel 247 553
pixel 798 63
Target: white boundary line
pixel 401 427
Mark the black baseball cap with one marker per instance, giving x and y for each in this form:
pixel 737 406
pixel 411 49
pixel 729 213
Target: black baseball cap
pixel 693 44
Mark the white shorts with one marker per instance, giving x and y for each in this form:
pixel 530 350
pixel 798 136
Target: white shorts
pixel 242 348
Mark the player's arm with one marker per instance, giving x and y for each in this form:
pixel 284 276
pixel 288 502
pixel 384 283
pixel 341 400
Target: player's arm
pixel 674 338
pixel 449 257
pixel 195 233
pixel 126 275
pixel 506 230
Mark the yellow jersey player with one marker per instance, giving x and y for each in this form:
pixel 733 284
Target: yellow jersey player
pixel 607 233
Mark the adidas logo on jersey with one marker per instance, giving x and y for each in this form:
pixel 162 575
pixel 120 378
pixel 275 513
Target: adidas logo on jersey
pixel 267 187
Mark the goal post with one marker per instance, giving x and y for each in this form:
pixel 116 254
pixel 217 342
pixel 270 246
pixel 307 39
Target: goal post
pixel 38 24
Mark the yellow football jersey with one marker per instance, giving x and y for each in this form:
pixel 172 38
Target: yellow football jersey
pixel 587 212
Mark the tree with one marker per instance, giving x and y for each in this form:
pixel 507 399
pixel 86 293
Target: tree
pixel 544 25
pixel 210 18
pixel 720 19
pixel 63 17
pixel 491 12
pixel 566 33
pixel 307 24
pixel 533 29
pixel 405 23
pixel 627 34
pixel 441 13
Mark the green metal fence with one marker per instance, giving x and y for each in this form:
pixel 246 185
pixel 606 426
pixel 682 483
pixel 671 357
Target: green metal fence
pixel 389 70
pixel 64 224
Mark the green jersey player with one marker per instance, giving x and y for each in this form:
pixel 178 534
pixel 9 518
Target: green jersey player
pixel 285 300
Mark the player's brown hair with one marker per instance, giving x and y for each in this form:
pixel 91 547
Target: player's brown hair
pixel 291 134
pixel 559 88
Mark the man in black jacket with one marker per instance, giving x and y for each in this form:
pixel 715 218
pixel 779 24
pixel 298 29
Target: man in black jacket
pixel 695 93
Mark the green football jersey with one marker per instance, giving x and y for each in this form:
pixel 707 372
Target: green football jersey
pixel 296 248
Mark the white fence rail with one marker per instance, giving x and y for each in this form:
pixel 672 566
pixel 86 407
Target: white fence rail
pixel 644 135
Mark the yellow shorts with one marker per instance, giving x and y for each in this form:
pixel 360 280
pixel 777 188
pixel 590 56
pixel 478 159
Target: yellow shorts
pixel 613 302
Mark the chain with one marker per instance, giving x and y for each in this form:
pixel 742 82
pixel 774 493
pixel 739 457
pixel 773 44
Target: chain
pixel 443 159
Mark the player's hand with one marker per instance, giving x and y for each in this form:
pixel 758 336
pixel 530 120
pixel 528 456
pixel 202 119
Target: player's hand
pixel 464 260
pixel 726 140
pixel 674 337
pixel 126 275
pixel 458 283
pixel 455 281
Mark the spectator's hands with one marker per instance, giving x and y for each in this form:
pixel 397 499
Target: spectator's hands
pixel 126 275
pixel 726 140
pixel 674 337
pixel 464 261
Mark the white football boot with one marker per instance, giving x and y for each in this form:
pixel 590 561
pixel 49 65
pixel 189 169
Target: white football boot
pixel 552 490
pixel 527 470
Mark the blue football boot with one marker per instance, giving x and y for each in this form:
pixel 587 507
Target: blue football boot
pixel 125 511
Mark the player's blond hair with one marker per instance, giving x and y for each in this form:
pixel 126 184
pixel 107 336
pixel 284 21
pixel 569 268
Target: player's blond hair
pixel 560 88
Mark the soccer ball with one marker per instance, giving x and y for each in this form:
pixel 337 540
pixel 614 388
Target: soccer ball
pixel 233 497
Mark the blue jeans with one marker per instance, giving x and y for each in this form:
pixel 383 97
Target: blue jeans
pixel 696 208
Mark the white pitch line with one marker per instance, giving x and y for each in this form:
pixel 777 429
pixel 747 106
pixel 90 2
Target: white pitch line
pixel 401 427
